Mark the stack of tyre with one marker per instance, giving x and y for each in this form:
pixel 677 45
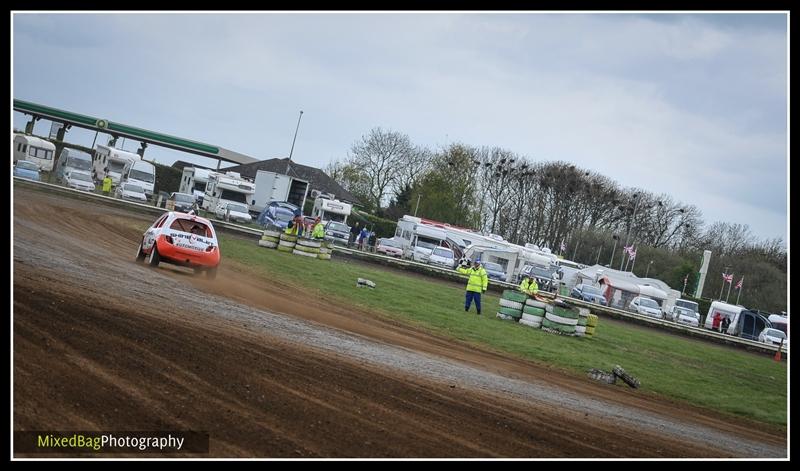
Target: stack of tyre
pixel 270 239
pixel 533 313
pixel 591 325
pixel 560 318
pixel 325 251
pixel 580 329
pixel 287 242
pixel 511 304
pixel 306 247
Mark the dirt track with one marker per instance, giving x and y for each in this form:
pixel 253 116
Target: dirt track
pixel 102 343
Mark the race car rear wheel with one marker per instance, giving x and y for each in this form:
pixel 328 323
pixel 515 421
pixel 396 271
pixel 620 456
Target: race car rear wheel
pixel 211 273
pixel 154 257
pixel 140 256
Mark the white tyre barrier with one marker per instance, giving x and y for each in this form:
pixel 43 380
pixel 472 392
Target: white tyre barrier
pixel 560 320
pixel 511 304
pixel 267 244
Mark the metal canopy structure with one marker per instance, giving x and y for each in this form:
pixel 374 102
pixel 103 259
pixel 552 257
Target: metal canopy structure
pixel 123 130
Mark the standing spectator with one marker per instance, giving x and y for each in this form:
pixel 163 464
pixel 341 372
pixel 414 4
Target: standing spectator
pixel 371 241
pixel 107 185
pixel 362 238
pixel 716 321
pixel 354 231
pixel 725 324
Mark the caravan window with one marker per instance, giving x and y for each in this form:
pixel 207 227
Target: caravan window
pixel 79 164
pixel 332 216
pixel 40 153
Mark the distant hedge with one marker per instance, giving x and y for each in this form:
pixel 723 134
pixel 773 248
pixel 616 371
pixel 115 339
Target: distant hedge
pixel 168 179
pixel 381 227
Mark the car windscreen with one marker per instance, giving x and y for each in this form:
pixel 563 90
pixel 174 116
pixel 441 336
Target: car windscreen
pixel 492 266
pixel 79 164
pixel 648 303
pixel 184 198
pixel 339 227
pixel 133 188
pixel 775 333
pixel 442 252
pixel 684 311
pixel 237 208
pixel 283 215
pixel 687 304
pixel 80 177
pixel 233 196
pixel 116 166
pixel 426 245
pixel 142 176
pixel 590 290
pixel 23 165
pixel 193 227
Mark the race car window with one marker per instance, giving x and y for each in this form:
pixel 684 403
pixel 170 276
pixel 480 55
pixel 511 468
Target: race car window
pixel 161 220
pixel 193 227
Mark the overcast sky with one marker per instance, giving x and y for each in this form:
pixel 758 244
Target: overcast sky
pixel 692 105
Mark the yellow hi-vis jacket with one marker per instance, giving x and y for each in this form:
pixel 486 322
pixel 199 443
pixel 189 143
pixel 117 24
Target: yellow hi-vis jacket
pixel 478 279
pixel 319 231
pixel 529 287
pixel 107 184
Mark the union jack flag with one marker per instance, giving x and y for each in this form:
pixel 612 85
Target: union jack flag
pixel 563 247
pixel 632 253
pixel 628 249
pixel 739 284
pixel 728 278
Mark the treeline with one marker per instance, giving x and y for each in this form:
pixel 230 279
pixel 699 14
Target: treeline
pixel 556 204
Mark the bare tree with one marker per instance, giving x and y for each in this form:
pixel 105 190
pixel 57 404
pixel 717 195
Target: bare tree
pixel 380 156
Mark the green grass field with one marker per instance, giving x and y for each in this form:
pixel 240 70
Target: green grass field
pixel 696 372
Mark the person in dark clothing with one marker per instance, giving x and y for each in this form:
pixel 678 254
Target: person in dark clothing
pixel 354 231
pixel 725 324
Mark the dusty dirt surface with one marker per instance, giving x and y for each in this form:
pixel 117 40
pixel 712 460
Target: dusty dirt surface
pixel 102 343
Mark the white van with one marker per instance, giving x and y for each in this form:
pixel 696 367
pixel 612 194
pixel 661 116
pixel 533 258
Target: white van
pixel 34 149
pixel 142 173
pixel 72 160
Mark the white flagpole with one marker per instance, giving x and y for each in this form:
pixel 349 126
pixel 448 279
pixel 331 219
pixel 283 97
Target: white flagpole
pixel 730 283
pixel 722 287
pixel 740 290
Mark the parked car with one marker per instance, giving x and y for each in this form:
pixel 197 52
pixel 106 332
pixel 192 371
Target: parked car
pixel 337 232
pixel 389 247
pixel 672 314
pixel 130 192
pixel 494 271
pixel 589 293
pixel 443 257
pixel 684 315
pixel 236 212
pixel 181 239
pixel 645 306
pixel 26 169
pixel 773 336
pixel 79 180
pixel 275 214
pixel 181 202
pixel 543 276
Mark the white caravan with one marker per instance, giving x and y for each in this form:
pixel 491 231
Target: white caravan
pixel 34 149
pixel 729 311
pixel 142 173
pixel 418 240
pixel 111 161
pixel 229 187
pixel 331 210
pixel 194 181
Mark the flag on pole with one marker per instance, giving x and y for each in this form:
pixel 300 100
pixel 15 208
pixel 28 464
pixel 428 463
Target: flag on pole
pixel 632 253
pixel 739 284
pixel 728 278
pixel 627 249
pixel 563 247
pixel 686 279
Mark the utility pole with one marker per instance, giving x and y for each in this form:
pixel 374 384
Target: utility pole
pixel 288 164
pixel 415 209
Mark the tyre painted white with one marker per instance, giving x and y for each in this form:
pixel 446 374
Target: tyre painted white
pixel 533 324
pixel 536 303
pixel 511 304
pixel 305 254
pixel 267 244
pixel 560 320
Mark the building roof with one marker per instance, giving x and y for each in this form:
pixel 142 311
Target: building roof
pixel 180 164
pixel 317 179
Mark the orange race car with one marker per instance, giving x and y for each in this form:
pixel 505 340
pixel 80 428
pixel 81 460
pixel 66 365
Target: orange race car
pixel 181 239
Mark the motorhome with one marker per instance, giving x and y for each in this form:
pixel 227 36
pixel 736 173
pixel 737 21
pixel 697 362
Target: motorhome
pixel 111 161
pixel 142 173
pixel 70 160
pixel 34 149
pixel 194 181
pixel 271 186
pixel 331 210
pixel 229 187
pixel 418 240
pixel 779 322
